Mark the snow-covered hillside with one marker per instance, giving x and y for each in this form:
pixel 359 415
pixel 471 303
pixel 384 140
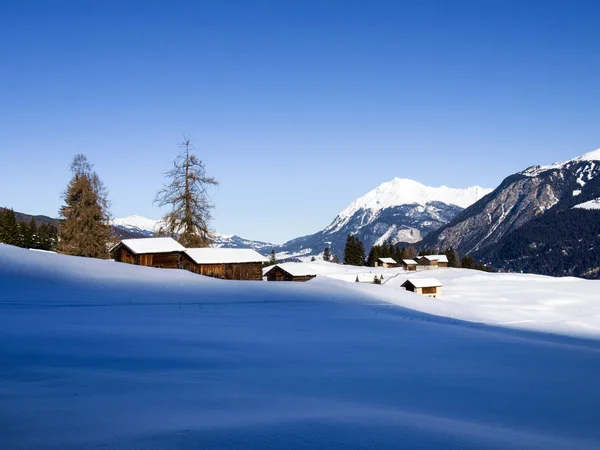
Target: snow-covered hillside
pixel 98 354
pixel 591 204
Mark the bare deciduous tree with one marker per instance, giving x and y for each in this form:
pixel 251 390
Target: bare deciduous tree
pixel 186 193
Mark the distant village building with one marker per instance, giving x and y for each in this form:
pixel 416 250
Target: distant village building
pixel 433 261
pixel 289 272
pixel 163 252
pixel 409 264
pixel 387 263
pixel 424 286
pixel 225 263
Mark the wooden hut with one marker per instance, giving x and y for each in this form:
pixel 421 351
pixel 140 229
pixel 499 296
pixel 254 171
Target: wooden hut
pixel 290 272
pixel 225 263
pixel 433 260
pixel 164 252
pixel 424 286
pixel 386 263
pixel 409 264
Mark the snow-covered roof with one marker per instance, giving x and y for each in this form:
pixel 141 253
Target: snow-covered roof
pixel 438 258
pixel 153 245
pixel 423 282
pixel 409 262
pixel 295 269
pixel 224 255
pixel 388 260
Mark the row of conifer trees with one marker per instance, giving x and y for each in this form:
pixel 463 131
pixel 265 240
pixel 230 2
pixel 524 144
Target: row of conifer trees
pixel 26 234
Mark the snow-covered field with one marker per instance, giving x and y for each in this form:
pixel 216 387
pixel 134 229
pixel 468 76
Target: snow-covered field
pixel 96 354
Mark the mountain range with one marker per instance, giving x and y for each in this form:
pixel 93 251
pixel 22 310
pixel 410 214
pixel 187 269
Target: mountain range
pixel 544 219
pixel 400 210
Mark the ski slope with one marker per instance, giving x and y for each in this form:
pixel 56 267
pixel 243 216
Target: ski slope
pixel 96 354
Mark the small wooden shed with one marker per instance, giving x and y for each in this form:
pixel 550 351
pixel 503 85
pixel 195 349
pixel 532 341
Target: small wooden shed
pixel 409 264
pixel 386 263
pixel 225 263
pixel 163 252
pixel 430 287
pixel 433 260
pixel 289 272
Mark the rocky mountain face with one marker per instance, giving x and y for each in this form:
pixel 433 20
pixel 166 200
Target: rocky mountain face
pixel 397 211
pixel 535 193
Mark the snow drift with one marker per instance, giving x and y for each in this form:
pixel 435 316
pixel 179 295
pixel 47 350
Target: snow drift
pixel 100 354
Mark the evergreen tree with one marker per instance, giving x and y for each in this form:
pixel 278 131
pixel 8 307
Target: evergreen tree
pixel 47 236
pixel 272 259
pixel 84 228
pixel 326 254
pixel 357 279
pixel 9 228
pixel 453 258
pixel 376 280
pixel 186 194
pixel 312 258
pixel 354 251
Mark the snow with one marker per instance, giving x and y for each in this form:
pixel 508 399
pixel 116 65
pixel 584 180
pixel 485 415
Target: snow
pixel 387 260
pixel 402 191
pixel 138 222
pixel 424 282
pixel 535 171
pixel 153 245
pixel 590 156
pixel 438 258
pixel 410 262
pixel 297 269
pixel 98 354
pixel 224 255
pixel 592 204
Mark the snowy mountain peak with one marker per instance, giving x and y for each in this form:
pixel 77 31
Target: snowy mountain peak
pixel 403 191
pixel 590 156
pixel 534 171
pixel 137 223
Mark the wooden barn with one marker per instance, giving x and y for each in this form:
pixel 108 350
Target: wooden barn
pixel 290 272
pixel 163 252
pixel 433 260
pixel 225 263
pixel 424 286
pixel 387 263
pixel 409 264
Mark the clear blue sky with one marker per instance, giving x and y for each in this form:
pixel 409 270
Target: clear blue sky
pixel 298 107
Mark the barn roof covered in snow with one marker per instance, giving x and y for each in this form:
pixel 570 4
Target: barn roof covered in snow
pixel 151 245
pixel 388 260
pixel 224 255
pixel 423 282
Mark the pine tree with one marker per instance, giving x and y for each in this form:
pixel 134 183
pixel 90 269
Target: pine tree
pixel 312 258
pixel 357 279
pixel 186 194
pixel 354 251
pixel 9 228
pixel 272 259
pixel 84 226
pixel 326 254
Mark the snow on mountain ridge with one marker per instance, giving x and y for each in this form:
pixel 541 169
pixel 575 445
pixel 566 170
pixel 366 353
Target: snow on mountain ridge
pixel 137 222
pixel 534 171
pixel 403 191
